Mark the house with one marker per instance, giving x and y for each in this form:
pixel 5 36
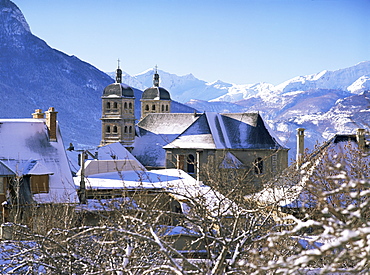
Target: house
pixel 188 141
pixel 342 158
pixel 33 164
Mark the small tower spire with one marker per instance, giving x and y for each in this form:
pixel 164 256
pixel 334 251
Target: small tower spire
pixel 156 77
pixel 118 73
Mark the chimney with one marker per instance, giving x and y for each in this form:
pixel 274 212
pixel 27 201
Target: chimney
pixel 300 146
pixel 51 123
pixel 360 137
pixel 38 114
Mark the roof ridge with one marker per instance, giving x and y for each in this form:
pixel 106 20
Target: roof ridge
pixel 212 118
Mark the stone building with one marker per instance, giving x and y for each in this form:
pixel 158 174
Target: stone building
pixel 118 117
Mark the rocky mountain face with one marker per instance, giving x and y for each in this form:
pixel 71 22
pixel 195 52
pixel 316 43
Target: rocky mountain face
pixel 33 76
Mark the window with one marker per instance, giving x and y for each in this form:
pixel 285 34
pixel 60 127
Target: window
pixel 258 166
pixel 39 184
pixel 125 129
pixel 130 129
pixel 180 162
pixel 108 105
pixel 114 129
pixel 115 105
pixel 146 107
pixel 125 105
pixel 107 129
pixel 153 107
pixel 130 105
pixel 162 108
pixel 166 108
pixel 190 164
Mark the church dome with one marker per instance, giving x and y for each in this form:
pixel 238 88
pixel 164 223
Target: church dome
pixel 157 93
pixel 118 89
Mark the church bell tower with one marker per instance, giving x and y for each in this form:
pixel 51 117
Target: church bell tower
pixel 118 113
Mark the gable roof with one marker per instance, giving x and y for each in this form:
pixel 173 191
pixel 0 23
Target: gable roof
pixel 25 149
pixel 5 170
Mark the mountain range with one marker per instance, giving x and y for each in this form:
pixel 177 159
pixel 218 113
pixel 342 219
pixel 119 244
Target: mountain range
pixel 325 103
pixel 33 75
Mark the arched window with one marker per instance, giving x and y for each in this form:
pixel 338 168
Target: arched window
pixel 125 105
pixel 153 107
pixel 130 129
pixel 125 129
pixel 108 105
pixel 130 105
pixel 258 166
pixel 107 129
pixel 162 108
pixel 114 129
pixel 190 164
pixel 146 107
pixel 166 108
pixel 115 105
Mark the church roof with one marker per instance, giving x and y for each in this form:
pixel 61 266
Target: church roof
pixel 226 131
pixel 156 93
pixel 157 132
pixel 118 89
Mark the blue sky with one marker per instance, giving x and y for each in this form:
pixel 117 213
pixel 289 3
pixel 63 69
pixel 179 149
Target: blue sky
pixel 240 42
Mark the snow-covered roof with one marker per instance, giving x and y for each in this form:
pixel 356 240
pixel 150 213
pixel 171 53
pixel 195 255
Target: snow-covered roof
pixel 106 166
pixel 113 151
pixel 227 131
pixel 157 130
pixel 177 183
pixel 25 149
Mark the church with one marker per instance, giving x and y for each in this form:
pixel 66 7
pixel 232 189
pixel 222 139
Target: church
pixel 161 138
